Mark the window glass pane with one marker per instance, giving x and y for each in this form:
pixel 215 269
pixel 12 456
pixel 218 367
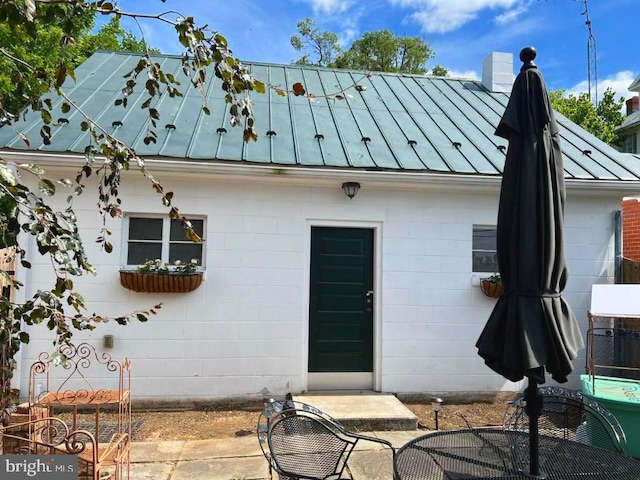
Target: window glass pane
pixel 485 262
pixel 185 252
pixel 484 238
pixel 484 256
pixel 139 253
pixel 145 229
pixel 177 230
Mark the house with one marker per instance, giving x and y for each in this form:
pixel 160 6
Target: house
pixel 306 288
pixel 629 130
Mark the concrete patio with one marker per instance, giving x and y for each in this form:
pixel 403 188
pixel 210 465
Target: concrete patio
pixel 241 458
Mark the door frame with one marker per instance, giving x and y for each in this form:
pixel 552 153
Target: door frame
pixel 377 295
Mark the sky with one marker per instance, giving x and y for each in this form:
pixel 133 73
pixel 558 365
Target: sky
pixel 461 32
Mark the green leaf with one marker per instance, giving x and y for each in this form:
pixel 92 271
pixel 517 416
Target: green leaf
pixel 141 317
pixel 220 40
pixel 47 187
pixel 71 72
pixel 61 74
pixel 46 115
pixel 258 86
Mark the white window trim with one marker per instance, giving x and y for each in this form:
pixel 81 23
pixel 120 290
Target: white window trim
pixel 475 274
pixel 166 231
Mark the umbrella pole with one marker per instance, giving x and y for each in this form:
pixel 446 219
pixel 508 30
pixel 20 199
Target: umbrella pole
pixel 533 408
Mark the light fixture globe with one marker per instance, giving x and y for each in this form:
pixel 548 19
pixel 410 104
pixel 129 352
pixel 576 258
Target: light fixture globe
pixel 435 404
pixel 350 188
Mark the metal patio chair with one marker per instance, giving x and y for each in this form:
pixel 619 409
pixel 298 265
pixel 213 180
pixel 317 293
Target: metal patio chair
pixel 567 414
pixel 301 442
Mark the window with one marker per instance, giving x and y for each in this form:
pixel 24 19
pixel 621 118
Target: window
pixel 485 256
pixel 151 238
pixel 629 143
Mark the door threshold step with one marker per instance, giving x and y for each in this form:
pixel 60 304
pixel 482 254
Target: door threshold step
pixel 363 411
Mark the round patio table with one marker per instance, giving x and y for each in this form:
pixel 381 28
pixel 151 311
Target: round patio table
pixel 485 453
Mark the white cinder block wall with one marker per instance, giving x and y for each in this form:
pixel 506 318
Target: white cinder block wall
pixel 243 332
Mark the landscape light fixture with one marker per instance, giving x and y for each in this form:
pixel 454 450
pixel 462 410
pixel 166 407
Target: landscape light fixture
pixel 435 403
pixel 350 188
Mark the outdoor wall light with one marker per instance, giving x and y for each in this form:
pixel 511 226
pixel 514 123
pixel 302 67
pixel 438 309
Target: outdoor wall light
pixel 350 188
pixel 107 341
pixel 435 403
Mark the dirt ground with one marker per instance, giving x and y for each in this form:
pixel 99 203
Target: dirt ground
pixel 225 422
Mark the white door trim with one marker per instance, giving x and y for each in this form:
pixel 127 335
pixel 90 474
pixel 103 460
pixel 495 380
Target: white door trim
pixel 375 378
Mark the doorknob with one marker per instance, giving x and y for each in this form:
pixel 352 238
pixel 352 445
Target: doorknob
pixel 368 301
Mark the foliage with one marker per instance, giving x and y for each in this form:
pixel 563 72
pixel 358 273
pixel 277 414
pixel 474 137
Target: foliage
pixel 321 47
pixel 51 45
pixel 375 51
pixel 439 71
pixel 8 221
pixel 494 278
pixel 178 267
pixel 111 36
pixel 601 121
pixel 385 52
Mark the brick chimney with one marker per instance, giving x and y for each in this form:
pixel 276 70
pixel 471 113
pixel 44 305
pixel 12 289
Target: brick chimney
pixel 497 72
pixel 633 105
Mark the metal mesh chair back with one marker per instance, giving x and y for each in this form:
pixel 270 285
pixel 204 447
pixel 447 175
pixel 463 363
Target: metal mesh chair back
pixel 568 415
pixel 308 447
pixel 301 442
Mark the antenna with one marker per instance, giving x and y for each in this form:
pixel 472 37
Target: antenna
pixel 592 66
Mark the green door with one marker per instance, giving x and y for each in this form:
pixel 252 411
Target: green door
pixel 341 300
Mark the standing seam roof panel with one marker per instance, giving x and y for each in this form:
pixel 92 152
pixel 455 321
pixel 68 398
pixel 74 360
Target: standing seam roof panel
pixel 392 111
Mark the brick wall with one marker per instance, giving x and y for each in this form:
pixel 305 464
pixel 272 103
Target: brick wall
pixel 631 228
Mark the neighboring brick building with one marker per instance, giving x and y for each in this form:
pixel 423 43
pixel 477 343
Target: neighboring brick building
pixel 631 228
pixel 629 130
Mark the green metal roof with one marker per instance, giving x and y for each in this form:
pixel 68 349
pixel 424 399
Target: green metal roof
pixel 396 123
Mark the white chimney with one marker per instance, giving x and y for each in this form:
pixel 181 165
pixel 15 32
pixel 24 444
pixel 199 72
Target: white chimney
pixel 497 72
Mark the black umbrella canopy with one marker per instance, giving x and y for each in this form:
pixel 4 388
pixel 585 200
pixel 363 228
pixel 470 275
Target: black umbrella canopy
pixel 531 327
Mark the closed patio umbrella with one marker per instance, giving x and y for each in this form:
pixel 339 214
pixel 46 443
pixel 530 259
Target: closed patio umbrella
pixel 531 330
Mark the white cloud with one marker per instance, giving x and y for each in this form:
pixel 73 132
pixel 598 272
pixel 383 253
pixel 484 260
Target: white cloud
pixel 510 16
pixel 441 16
pixel 329 7
pixel 349 26
pixel 618 82
pixel 467 74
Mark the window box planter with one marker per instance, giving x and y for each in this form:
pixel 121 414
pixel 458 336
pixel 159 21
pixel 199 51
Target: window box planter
pixel 160 282
pixel 491 287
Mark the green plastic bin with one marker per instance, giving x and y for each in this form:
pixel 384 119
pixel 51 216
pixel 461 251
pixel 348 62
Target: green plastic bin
pixel 622 398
